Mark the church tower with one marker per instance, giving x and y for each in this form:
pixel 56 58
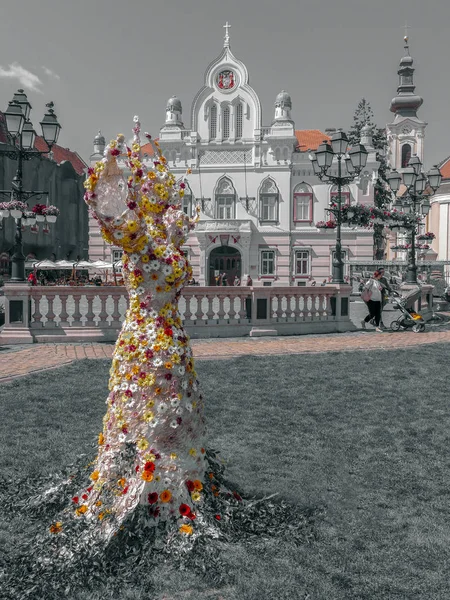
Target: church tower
pixel 406 133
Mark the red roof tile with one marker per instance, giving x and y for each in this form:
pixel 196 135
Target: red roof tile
pixel 445 168
pixel 310 139
pixel 61 154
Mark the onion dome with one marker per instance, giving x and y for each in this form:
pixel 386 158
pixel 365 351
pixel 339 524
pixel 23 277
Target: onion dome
pixel 174 104
pixel 99 140
pixel 406 103
pixel 283 99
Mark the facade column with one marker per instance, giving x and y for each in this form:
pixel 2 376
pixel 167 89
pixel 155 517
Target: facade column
pixel 204 266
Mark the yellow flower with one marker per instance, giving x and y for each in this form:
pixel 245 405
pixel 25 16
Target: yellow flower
pixel 151 403
pixel 149 457
pixel 186 529
pixel 132 226
pixel 101 439
pixel 196 496
pixel 193 452
pixel 167 288
pixel 173 456
pixel 81 510
pixel 142 444
pixel 148 416
pixel 145 258
pixel 135 370
pixel 56 527
pixel 94 476
pixel 151 175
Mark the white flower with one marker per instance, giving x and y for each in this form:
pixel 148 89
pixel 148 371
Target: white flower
pixel 134 257
pixel 166 253
pixel 136 119
pixel 189 406
pixel 124 386
pixel 144 250
pixel 118 235
pixel 153 314
pixel 154 423
pixel 162 408
pixel 140 290
pixel 184 385
pixel 174 403
pixel 143 312
pixel 133 294
pixel 133 387
pixel 153 264
pixel 122 437
pixel 157 362
pixel 146 268
pixel 171 349
pixel 167 270
pixel 118 221
pixel 179 410
pixel 122 369
pixel 181 370
pixel 116 388
pixel 134 326
pixel 174 424
pixel 194 387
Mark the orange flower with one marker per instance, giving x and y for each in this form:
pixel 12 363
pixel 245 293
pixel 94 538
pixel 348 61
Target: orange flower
pixel 168 365
pixel 154 276
pixel 94 476
pixel 198 485
pixel 101 439
pixel 121 482
pixel 211 475
pixel 186 529
pixel 202 450
pixel 98 503
pixel 81 510
pixel 165 496
pixel 56 527
pixel 147 476
pixel 101 515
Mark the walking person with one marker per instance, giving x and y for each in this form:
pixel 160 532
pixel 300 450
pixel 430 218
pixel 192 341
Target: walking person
pixel 372 296
pixel 385 292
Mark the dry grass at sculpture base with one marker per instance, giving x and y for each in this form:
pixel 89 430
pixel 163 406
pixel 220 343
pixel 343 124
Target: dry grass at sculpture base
pixel 364 434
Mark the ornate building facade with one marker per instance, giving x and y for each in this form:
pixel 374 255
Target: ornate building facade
pixel 255 184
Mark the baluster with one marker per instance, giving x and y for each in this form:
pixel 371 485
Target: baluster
pixel 328 306
pixel 243 310
pixel 288 307
pixel 76 322
pixel 64 315
pixel 279 311
pixel 210 312
pixel 90 310
pixel 187 312
pixel 221 312
pixel 199 311
pixel 37 315
pixel 115 316
pixel 297 310
pixel 231 311
pixel 50 314
pixel 103 315
pixel 308 307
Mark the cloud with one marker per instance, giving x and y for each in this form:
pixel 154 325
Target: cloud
pixel 50 73
pixel 26 78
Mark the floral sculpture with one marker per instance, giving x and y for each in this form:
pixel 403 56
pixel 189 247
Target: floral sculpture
pixel 153 479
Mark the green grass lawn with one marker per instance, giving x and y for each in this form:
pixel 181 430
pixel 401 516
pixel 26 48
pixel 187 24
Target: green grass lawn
pixel 366 435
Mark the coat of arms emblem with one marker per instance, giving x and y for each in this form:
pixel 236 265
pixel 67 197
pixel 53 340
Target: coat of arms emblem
pixel 226 80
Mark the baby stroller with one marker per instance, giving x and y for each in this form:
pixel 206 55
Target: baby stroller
pixel 409 318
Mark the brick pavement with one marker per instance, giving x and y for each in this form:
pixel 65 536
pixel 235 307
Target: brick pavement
pixel 19 361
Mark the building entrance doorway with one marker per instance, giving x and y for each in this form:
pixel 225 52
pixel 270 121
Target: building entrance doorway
pixel 224 259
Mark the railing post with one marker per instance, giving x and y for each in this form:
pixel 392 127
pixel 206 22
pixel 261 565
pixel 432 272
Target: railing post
pixel 16 329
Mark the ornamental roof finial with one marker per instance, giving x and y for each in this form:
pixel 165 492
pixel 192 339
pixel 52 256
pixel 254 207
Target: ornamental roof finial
pixel 226 41
pixel 406 38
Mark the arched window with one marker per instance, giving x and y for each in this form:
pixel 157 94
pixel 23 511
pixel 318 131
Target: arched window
pixel 238 121
pixel 186 204
pixel 406 155
pixel 303 203
pixel 213 122
pixel 225 199
pixel 268 201
pixel 277 153
pixel 226 122
pixel 334 197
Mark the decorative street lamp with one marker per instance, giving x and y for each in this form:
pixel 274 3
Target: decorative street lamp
pixel 414 203
pixel 355 160
pixel 22 134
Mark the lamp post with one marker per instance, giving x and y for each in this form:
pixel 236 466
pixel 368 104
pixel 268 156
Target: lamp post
pixel 22 134
pixel 415 202
pixel 322 160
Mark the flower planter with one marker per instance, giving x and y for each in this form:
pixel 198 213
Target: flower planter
pixel 16 214
pixel 40 218
pixel 51 218
pixel 4 213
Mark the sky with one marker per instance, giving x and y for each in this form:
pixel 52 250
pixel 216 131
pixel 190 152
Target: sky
pixel 104 61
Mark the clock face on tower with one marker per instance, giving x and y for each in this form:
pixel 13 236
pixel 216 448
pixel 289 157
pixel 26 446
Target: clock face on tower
pixel 406 130
pixel 226 80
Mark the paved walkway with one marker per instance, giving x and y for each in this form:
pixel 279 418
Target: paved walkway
pixel 16 361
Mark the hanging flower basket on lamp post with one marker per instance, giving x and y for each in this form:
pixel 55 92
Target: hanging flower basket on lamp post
pixel 17 208
pixel 51 213
pixel 39 211
pixel 4 210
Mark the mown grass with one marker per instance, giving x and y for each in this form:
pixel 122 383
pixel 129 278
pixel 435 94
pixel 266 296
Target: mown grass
pixel 365 434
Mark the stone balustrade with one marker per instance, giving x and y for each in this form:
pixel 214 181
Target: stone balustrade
pixel 60 313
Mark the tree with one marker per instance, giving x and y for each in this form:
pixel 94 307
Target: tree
pixel 364 116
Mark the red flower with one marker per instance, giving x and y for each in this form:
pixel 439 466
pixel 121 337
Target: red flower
pixel 168 331
pixel 132 205
pixel 149 466
pixel 190 485
pixel 182 185
pixel 137 468
pixel 236 495
pixel 84 496
pixel 128 393
pixel 124 429
pixel 184 510
pixel 75 499
pixel 192 516
pixel 168 376
pixel 153 498
pixel 142 375
pixel 125 490
pixel 148 354
pixel 115 152
pixel 218 517
pixel 89 490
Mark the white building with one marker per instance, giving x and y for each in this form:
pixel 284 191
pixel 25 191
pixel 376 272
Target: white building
pixel 259 196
